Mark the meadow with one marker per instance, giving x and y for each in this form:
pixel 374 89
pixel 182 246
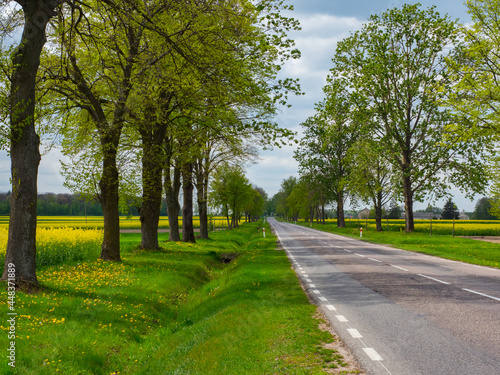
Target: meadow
pixel 441 243
pixel 231 305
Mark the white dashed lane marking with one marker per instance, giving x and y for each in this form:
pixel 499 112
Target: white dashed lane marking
pixel 354 333
pixel 432 278
pixel 374 356
pixel 331 307
pixel 481 294
pixel 399 268
pixel 341 318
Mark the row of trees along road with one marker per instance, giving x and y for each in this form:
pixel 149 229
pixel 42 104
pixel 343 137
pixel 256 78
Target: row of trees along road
pixel 145 95
pixel 410 110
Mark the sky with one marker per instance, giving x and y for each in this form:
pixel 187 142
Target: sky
pixel 323 23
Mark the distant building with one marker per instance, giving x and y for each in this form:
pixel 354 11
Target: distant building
pixel 364 214
pixel 464 216
pixel 423 216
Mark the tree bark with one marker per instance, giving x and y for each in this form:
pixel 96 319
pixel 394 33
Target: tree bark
pixel 187 208
pixel 151 191
pixel 378 212
pixel 24 148
pixel 408 196
pixel 202 197
pixel 340 210
pixel 172 189
pixel 109 199
pixel 407 190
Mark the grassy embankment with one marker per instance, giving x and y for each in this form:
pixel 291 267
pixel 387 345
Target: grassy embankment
pixel 444 246
pixel 179 310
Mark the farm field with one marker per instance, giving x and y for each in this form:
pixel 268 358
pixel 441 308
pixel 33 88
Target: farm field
pixel 439 227
pixel 204 308
pixel 96 222
pixel 441 245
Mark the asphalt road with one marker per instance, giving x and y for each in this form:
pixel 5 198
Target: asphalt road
pixel 400 312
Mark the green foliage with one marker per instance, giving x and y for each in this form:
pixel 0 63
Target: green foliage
pixel 280 198
pixel 232 192
pixel 482 210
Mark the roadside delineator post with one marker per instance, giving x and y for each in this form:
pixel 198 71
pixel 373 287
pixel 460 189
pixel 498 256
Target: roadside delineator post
pixel 361 232
pixel 264 232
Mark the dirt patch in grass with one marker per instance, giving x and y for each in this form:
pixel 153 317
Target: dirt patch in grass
pixel 493 239
pixel 343 359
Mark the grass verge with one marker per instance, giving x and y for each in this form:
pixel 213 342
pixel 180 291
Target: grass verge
pixel 454 248
pixel 229 305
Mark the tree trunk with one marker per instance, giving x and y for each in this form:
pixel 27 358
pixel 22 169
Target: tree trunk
pixel 408 196
pixel 187 208
pixel 378 213
pixel 172 189
pixel 24 149
pixel 202 197
pixel 227 218
pixel 109 199
pixel 340 210
pixel 151 192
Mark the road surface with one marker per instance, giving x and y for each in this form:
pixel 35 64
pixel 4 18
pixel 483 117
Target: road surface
pixel 400 312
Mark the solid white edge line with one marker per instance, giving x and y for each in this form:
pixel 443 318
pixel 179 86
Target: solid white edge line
pixel 432 278
pixel 481 294
pixel 374 356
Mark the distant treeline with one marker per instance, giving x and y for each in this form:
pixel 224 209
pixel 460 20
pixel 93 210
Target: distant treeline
pixel 50 204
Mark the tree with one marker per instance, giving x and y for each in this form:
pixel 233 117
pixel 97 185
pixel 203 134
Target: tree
pixel 231 191
pixel 372 179
pixel 297 200
pixel 328 136
pixel 475 94
pixel 394 210
pixel 450 211
pixel 396 62
pixel 24 141
pixel 482 210
pixel 287 186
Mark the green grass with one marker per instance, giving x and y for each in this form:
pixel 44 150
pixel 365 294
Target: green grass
pixel 176 311
pixel 454 248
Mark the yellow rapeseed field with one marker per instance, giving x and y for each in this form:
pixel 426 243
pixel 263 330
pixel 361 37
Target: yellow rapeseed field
pixel 97 222
pixel 439 227
pixel 57 245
